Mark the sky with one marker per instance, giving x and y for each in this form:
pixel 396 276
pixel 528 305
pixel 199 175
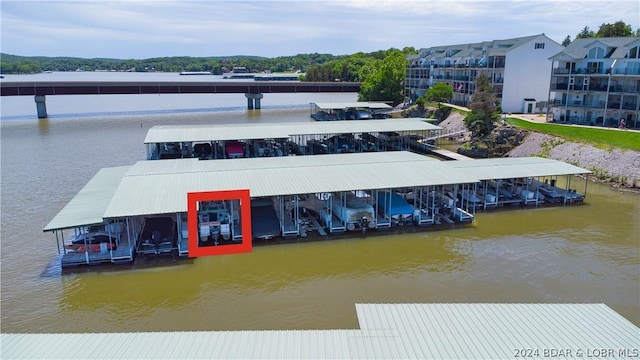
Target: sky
pixel 136 29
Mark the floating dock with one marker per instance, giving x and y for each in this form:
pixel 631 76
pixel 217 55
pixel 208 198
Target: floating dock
pixel 359 110
pixel 291 138
pixel 124 200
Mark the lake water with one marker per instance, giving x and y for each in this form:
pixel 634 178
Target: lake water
pixel 578 254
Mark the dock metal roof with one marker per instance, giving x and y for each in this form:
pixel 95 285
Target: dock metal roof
pixel 509 168
pixel 192 165
pixel 255 131
pixel 88 206
pixel 159 186
pixel 376 105
pixel 387 331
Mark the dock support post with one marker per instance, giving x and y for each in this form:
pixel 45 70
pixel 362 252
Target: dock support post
pixel 41 106
pixel 253 98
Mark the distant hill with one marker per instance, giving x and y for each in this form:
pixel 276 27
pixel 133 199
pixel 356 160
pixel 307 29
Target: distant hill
pixel 14 64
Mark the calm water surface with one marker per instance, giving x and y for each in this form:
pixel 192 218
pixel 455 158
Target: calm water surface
pixel 588 253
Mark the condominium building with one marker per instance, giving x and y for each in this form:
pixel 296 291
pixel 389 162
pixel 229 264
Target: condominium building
pixel 596 81
pixel 518 69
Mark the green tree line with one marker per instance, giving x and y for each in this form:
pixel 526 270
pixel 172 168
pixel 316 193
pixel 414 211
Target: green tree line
pixel 617 29
pixel 13 64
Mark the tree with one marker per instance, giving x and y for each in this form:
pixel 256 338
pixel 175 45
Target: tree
pixel 585 33
pixel 566 41
pixel 618 29
pixel 484 110
pixel 384 81
pixel 439 93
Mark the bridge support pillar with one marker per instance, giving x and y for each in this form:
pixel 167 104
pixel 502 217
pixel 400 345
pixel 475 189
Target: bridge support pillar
pixel 253 98
pixel 41 106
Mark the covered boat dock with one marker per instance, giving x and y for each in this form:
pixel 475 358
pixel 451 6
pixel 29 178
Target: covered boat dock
pixel 359 110
pixel 146 205
pixel 223 141
pixel 83 217
pixel 526 181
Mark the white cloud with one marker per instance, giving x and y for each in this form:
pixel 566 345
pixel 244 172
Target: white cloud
pixel 142 29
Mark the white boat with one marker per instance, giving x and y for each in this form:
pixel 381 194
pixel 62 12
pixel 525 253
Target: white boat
pixel 355 213
pixel 196 73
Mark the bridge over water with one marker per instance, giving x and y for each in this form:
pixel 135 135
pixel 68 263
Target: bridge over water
pixel 253 90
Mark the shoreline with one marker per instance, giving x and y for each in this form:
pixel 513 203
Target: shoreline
pixel 616 167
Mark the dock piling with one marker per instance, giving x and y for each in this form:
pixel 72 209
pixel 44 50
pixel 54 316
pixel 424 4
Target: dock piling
pixel 41 106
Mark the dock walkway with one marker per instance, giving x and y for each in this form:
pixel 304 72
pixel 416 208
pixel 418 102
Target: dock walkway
pixel 449 155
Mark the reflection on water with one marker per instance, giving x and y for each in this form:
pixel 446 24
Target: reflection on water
pixel 585 253
pixel 43 126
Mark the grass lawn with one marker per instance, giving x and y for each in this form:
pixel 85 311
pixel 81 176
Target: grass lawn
pixel 600 137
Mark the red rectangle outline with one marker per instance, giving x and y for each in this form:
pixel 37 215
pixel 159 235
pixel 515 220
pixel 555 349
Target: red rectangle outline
pixel 246 244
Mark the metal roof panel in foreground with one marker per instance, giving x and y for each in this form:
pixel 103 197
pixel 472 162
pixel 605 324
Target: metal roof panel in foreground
pixel 256 131
pixel 495 331
pixel 387 331
pixel 88 206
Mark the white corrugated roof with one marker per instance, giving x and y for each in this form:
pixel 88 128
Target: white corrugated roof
pixel 508 168
pixel 387 331
pixel 495 331
pixel 148 189
pixel 176 166
pixel 88 206
pixel 161 186
pixel 253 131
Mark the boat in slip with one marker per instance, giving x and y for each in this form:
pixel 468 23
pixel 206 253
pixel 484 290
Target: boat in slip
pixel 265 224
pixel 159 234
pixel 93 242
pixel 356 213
pixel 395 207
pixel 234 149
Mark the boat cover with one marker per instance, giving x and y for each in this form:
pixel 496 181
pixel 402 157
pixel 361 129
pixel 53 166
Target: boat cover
pixel 397 205
pixel 264 220
pixel 354 211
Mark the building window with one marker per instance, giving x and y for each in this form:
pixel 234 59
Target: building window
pixel 539 46
pixel 596 53
pixel 633 53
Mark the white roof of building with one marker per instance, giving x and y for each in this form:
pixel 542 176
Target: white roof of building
pixel 223 132
pixel 493 47
pixel 387 331
pixel 579 48
pixel 88 206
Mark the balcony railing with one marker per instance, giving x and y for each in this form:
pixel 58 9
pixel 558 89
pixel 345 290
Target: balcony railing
pixel 591 71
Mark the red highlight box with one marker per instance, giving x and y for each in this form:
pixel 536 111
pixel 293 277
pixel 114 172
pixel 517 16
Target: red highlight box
pixel 244 246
